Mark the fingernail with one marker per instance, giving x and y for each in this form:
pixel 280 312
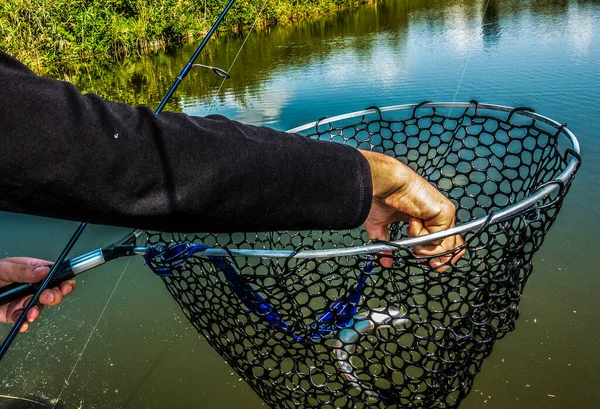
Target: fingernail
pixel 31 316
pixel 40 270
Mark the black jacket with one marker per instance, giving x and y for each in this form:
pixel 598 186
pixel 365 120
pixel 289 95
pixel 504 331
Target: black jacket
pixel 79 157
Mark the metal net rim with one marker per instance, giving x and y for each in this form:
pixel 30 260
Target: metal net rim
pixel 463 228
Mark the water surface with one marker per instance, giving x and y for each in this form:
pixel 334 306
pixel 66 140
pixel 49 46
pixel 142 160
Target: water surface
pixel 141 353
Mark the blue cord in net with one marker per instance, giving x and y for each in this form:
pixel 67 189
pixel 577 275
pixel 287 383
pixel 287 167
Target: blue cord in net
pixel 162 260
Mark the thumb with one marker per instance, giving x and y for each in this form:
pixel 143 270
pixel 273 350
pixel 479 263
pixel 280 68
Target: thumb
pixel 380 232
pixel 21 273
pixel 377 231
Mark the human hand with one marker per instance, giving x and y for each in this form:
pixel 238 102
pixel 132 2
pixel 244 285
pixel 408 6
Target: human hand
pixel 29 270
pixel 400 194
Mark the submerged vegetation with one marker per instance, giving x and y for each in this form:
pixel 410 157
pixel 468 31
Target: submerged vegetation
pixel 59 35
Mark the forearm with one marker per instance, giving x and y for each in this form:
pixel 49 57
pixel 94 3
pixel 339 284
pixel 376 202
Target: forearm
pixel 74 156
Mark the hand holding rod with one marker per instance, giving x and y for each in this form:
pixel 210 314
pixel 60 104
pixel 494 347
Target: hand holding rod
pixel 67 270
pixel 44 284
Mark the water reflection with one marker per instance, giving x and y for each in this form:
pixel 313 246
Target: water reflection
pixel 462 31
pixel 553 8
pixel 371 45
pixel 581 30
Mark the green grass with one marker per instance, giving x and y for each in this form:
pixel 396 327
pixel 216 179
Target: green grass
pixel 61 35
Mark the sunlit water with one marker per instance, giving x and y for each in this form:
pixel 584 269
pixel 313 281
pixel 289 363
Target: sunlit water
pixel 543 54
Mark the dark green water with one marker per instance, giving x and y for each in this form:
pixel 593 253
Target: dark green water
pixel 538 53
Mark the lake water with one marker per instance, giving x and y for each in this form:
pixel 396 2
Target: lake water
pixel 139 350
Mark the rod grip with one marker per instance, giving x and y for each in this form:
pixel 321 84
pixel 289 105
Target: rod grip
pixel 15 291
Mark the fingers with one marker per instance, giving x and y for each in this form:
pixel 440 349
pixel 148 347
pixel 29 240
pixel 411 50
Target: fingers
pixel 386 259
pixel 34 313
pixel 67 287
pixel 416 228
pixel 29 270
pixel 51 297
pixel 54 296
pixel 16 308
pixel 443 262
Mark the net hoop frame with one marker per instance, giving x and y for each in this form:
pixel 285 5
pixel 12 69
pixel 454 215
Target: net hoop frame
pixel 500 215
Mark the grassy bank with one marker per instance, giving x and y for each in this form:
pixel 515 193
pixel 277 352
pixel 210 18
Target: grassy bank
pixel 58 35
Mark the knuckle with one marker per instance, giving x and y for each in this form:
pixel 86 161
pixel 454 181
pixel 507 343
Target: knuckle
pixel 449 208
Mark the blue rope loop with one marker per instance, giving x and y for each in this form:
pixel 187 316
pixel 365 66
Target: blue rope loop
pixel 163 260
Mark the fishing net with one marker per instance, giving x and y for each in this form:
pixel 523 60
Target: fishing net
pixel 312 319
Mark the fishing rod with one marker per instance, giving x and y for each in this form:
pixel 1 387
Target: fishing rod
pixel 186 69
pixel 57 268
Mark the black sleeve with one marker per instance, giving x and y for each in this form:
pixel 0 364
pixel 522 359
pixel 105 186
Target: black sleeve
pixel 78 157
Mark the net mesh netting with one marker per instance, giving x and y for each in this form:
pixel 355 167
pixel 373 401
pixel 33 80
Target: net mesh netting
pixel 345 332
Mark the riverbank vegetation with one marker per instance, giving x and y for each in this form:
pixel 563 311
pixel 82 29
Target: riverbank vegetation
pixel 61 35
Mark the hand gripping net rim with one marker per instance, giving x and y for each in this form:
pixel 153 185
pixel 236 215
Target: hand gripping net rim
pixel 310 319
